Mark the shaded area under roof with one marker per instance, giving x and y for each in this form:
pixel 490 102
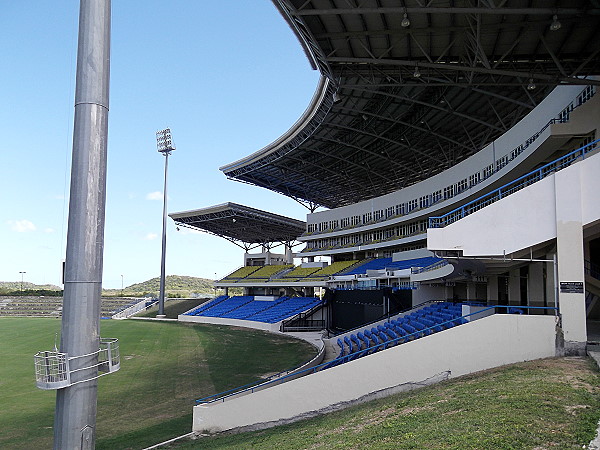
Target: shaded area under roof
pixel 241 224
pixel 409 90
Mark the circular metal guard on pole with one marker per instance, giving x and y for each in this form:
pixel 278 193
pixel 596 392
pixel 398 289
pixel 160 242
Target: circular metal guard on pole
pixel 52 368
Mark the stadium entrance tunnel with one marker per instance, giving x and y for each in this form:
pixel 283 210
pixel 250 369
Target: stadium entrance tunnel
pixel 352 308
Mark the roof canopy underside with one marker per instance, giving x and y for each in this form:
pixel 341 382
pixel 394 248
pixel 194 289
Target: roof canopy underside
pixel 399 104
pixel 241 224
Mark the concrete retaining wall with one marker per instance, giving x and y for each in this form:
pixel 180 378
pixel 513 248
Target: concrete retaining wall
pixel 272 327
pixel 482 344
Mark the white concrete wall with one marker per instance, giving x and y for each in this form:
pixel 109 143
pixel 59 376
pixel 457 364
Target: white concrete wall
pixel 273 327
pixel 525 218
pixel 426 293
pixel 482 344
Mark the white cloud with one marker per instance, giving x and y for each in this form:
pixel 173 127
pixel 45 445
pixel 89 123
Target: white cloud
pixel 154 196
pixel 150 236
pixel 21 226
pixel 49 230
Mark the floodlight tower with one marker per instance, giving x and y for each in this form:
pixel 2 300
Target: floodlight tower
pixel 22 273
pixel 164 143
pixel 75 417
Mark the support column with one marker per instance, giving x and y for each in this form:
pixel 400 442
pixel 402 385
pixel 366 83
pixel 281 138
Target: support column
pixel 492 290
pixel 551 291
pixel 535 286
pixel 569 243
pixel 514 287
pixel 289 255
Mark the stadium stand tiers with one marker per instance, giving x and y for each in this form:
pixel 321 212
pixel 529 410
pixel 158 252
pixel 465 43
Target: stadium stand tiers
pixel 423 117
pixel 388 263
pixel 248 308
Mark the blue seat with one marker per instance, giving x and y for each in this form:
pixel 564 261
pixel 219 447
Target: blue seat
pixel 385 339
pixel 393 336
pixel 348 343
pixel 365 340
pixel 412 331
pixel 429 323
pixel 375 340
pixel 356 342
pixel 401 332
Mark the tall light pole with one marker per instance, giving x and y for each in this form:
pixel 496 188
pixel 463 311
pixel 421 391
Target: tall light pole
pixel 22 273
pixel 164 143
pixel 75 417
pixel 121 285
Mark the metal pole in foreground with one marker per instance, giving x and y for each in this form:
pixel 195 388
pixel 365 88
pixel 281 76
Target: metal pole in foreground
pixel 164 142
pixel 75 416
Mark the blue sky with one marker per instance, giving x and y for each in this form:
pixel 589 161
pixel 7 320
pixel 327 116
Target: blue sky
pixel 228 77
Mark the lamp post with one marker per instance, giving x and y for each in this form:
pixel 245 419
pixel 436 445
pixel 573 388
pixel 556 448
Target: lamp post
pixel 22 273
pixel 164 143
pixel 121 285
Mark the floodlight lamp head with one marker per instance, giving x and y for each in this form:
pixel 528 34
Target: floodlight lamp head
pixel 405 21
pixel 164 141
pixel 555 25
pixel 531 86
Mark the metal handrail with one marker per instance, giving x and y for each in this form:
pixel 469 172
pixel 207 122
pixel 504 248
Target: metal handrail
pixel 511 187
pixel 434 266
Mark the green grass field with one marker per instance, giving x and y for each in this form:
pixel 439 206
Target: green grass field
pixel 164 368
pixel 553 403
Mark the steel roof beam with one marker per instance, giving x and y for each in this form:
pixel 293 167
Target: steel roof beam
pixel 462 68
pixel 450 10
pixel 437 107
pixel 362 149
pixel 413 126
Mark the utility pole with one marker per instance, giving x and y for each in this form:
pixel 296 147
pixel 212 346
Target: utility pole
pixel 75 416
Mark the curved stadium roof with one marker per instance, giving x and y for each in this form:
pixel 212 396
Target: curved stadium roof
pixel 411 88
pixel 241 224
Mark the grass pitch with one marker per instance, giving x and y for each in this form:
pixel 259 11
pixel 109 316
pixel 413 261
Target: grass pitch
pixel 164 368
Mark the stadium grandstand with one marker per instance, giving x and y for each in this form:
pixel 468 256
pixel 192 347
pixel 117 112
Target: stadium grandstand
pixel 448 162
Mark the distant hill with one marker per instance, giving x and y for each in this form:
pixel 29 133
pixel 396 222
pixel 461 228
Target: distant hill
pixel 16 286
pixel 175 285
pixel 26 288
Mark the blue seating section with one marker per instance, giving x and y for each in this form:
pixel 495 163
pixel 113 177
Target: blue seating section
pixel 423 322
pixel 228 305
pixel 387 263
pixel 246 308
pixel 287 308
pixel 205 306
